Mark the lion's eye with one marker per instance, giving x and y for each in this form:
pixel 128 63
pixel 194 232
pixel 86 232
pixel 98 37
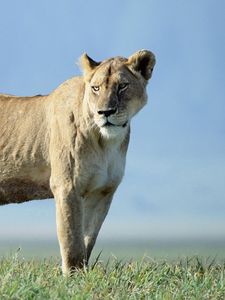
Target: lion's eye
pixel 95 88
pixel 122 86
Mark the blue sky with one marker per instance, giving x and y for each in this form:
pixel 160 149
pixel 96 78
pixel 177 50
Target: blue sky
pixel 175 176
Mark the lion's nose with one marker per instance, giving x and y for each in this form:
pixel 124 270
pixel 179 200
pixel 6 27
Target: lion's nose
pixel 107 112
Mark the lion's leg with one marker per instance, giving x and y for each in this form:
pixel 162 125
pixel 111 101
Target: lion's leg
pixel 95 211
pixel 69 214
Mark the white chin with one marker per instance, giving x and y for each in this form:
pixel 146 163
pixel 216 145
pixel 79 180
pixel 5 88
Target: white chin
pixel 111 132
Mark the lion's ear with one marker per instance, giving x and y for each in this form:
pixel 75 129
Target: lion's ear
pixel 143 62
pixel 87 63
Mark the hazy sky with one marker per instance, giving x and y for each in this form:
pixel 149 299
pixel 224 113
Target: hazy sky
pixel 175 176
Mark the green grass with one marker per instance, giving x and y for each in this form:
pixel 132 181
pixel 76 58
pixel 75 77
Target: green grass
pixel 146 279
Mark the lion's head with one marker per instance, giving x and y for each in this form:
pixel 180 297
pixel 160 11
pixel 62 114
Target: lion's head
pixel 115 90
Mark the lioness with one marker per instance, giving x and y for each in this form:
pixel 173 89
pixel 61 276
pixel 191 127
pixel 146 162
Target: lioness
pixel 71 145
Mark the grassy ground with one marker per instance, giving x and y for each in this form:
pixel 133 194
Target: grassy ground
pixel 186 279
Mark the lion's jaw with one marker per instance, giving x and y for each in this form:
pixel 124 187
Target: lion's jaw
pixel 114 126
pixel 110 131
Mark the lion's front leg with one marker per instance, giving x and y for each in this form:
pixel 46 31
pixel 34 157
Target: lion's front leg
pixel 95 211
pixel 69 221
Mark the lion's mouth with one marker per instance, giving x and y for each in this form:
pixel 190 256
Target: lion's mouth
pixel 109 124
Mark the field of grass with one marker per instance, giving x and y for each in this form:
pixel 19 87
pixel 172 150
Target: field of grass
pixel 146 279
pixel 33 272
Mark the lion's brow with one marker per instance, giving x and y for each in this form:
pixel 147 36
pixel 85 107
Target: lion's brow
pixel 105 76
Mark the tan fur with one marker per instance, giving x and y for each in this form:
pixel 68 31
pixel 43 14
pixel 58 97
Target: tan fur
pixel 60 146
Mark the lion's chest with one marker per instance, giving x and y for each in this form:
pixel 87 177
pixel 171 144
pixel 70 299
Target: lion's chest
pixel 105 171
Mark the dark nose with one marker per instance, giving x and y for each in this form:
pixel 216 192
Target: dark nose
pixel 107 112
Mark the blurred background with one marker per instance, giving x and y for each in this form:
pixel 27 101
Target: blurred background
pixel 173 192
